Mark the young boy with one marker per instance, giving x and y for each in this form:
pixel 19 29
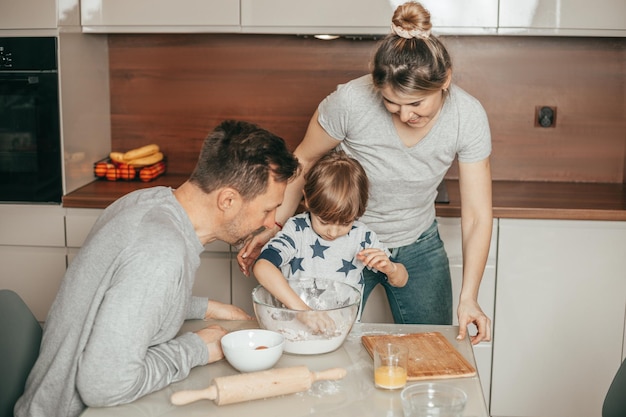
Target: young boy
pixel 327 241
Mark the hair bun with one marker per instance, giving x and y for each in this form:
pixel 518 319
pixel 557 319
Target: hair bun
pixel 411 20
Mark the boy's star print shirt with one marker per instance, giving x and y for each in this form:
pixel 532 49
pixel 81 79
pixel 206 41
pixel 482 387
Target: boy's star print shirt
pixel 299 252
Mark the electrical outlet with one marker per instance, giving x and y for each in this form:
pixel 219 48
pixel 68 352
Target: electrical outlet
pixel 545 116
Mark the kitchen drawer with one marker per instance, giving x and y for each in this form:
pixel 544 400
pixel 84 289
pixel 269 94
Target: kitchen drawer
pixel 28 14
pixel 32 225
pixel 78 224
pixel 35 273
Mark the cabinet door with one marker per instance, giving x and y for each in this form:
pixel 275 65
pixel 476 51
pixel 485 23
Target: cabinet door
pixel 559 325
pixel 563 16
pixel 78 224
pixel 28 14
pixel 159 16
pixel 377 309
pixel 450 232
pixel 32 253
pixel 358 17
pixel 32 225
pixel 35 273
pixel 213 276
pixel 242 287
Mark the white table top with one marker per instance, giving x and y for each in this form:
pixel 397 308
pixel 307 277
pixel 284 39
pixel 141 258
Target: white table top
pixel 355 395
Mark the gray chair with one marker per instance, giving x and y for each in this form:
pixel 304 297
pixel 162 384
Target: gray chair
pixel 615 400
pixel 20 337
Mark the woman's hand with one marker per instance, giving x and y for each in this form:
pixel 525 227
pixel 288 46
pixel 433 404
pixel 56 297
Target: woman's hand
pixel 252 248
pixel 220 311
pixel 470 313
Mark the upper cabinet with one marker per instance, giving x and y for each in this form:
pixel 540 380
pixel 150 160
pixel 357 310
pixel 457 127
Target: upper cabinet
pixel 563 17
pixel 358 17
pixel 28 14
pixel 160 16
pixel 350 17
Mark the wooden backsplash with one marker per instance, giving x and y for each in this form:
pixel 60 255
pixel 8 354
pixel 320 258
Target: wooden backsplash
pixel 173 89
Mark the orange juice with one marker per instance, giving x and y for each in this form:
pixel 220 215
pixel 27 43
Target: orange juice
pixel 390 377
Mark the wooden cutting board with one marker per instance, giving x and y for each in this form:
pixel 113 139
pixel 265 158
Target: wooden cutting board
pixel 431 355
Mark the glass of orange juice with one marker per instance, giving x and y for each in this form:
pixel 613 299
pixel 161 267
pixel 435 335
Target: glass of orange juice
pixel 390 365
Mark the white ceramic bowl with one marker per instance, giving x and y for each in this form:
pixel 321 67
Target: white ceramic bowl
pixel 329 299
pixel 253 349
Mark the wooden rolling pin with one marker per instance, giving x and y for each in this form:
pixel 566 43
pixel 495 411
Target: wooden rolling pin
pixel 256 385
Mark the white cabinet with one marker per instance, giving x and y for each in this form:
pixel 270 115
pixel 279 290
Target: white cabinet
pixel 32 253
pixel 213 274
pixel 32 225
pixel 352 17
pixel 28 14
pixel 377 308
pixel 559 327
pixel 35 273
pixel 372 17
pixel 85 105
pixel 78 224
pixel 242 286
pixel 161 16
pixel 563 17
pixel 450 232
pixel 347 17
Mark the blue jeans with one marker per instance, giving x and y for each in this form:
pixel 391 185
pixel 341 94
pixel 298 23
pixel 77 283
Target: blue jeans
pixel 427 296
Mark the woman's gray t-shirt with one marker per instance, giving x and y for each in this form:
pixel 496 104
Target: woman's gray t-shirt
pixel 403 179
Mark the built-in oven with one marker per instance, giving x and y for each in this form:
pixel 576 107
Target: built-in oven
pixel 30 138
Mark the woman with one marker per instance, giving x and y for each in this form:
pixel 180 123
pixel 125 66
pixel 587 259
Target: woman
pixel 406 122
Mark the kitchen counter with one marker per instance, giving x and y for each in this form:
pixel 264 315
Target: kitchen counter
pixel 101 193
pixel 511 199
pixel 355 395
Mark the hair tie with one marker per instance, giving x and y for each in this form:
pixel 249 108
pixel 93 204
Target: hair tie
pixel 410 34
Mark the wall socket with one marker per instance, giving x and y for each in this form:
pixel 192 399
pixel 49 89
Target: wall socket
pixel 545 116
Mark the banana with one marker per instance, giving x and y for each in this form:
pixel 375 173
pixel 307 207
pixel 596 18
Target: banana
pixel 117 157
pixel 146 160
pixel 141 152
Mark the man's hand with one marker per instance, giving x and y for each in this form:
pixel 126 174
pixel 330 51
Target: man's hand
pixel 212 336
pixel 220 311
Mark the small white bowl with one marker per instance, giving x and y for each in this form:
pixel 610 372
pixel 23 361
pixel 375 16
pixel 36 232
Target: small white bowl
pixel 252 350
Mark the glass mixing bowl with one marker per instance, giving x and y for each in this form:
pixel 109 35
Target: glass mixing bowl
pixel 334 304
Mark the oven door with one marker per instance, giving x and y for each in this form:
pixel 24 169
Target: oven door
pixel 30 143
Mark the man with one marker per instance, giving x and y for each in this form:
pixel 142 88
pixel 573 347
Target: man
pixel 110 336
